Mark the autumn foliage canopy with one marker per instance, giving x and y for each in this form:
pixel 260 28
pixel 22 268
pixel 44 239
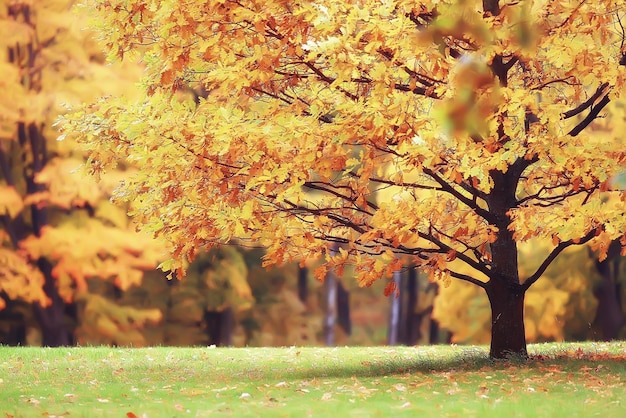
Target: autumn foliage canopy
pixel 434 133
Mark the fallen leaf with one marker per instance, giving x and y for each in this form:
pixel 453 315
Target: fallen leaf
pixel 33 401
pixel 70 396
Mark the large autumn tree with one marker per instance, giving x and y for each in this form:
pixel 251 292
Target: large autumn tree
pixel 477 118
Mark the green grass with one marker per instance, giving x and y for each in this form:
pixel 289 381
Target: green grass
pixel 560 380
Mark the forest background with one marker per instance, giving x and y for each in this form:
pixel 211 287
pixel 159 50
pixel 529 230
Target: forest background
pixel 73 270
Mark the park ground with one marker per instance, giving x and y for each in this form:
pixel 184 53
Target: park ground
pixel 559 380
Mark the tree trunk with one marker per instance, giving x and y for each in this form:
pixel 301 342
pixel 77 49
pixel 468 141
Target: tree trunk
pixel 393 334
pixel 508 335
pixel 412 323
pixel 343 308
pixel 303 289
pixel 219 327
pixel 609 315
pixel 52 318
pixel 330 316
pixel 504 290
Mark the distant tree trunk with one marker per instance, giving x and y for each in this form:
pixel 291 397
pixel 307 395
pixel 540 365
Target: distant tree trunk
pixel 609 315
pixel 393 330
pixel 303 290
pixel 343 308
pixel 436 334
pixel 330 317
pixel 219 327
pixel 52 318
pixel 12 322
pixel 412 323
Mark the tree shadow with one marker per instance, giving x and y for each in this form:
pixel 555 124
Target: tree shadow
pixel 465 360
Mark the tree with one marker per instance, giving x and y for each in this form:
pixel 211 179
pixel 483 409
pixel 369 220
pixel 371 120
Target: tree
pixel 575 301
pixel 476 116
pixel 58 228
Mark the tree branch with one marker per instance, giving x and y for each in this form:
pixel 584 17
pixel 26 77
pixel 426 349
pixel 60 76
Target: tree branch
pixel 590 117
pixel 587 103
pixel 476 265
pixel 315 186
pixel 555 252
pixel 552 200
pixel 445 186
pixel 466 278
pixel 5 166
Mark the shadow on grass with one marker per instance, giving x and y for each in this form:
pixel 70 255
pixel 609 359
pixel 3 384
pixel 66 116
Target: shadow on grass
pixel 421 363
pixel 470 360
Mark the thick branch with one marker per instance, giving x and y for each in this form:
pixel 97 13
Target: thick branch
pixel 492 7
pixel 317 186
pixel 587 103
pixel 467 278
pixel 590 117
pixel 476 265
pixel 555 252
pixel 5 166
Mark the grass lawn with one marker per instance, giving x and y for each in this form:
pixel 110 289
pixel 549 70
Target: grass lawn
pixel 561 380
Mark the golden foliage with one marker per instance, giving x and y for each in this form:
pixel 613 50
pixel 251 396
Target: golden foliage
pixel 50 213
pixel 476 124
pixel 19 279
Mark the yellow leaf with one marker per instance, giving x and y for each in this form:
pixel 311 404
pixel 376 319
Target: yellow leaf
pixel 10 201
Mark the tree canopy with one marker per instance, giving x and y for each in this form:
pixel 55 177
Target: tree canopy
pixel 435 133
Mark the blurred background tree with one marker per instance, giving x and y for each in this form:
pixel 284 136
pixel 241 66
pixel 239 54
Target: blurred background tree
pixel 58 228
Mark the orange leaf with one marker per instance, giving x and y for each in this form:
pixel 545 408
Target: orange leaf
pixel 391 288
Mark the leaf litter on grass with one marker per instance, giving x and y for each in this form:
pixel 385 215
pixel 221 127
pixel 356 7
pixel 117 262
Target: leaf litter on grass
pixel 164 382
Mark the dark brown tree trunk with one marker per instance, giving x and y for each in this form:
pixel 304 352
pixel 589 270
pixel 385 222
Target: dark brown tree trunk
pixel 52 318
pixel 343 308
pixel 412 324
pixel 219 326
pixel 508 335
pixel 303 289
pixel 505 293
pixel 609 315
